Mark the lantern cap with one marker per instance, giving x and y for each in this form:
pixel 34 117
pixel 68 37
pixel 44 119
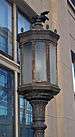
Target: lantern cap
pixel 36 34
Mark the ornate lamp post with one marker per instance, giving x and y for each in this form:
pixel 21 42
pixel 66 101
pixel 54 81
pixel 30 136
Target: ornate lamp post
pixel 39 84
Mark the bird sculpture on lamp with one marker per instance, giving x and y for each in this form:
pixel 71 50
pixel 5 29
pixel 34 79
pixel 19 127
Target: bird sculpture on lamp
pixel 40 18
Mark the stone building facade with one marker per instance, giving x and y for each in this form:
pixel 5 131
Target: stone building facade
pixel 15 112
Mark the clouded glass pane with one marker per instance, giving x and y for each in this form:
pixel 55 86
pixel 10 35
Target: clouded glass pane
pixel 27 64
pixel 53 64
pixel 40 61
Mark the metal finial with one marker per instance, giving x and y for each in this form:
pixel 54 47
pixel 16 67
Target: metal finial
pixel 47 26
pixel 22 29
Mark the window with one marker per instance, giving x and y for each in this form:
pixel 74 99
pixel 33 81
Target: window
pixel 6 102
pixel 25 118
pixel 3 43
pixel 5 28
pixel 25 112
pixel 73 68
pixel 24 23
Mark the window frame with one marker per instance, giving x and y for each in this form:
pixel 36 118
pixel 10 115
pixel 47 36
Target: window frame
pixel 13 103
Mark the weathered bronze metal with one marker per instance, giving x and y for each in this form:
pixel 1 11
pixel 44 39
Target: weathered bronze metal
pixel 40 18
pixel 38 93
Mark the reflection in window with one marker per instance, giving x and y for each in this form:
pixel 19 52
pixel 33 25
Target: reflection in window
pixel 25 112
pixel 6 103
pixel 3 43
pixel 23 23
pixel 5 27
pixel 25 118
pixel 3 93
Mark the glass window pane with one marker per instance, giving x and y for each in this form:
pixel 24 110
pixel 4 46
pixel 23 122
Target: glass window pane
pixel 25 118
pixel 24 23
pixel 53 64
pixel 6 102
pixel 25 111
pixel 5 27
pixel 40 61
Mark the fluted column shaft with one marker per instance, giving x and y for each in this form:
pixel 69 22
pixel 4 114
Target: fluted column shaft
pixel 38 110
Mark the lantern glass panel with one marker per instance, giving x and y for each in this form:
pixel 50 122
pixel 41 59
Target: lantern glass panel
pixel 26 63
pixel 40 61
pixel 53 70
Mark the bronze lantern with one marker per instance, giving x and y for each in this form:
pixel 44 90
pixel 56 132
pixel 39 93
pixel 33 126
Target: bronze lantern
pixel 39 84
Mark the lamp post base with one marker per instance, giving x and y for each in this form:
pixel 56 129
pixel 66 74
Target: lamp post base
pixel 38 95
